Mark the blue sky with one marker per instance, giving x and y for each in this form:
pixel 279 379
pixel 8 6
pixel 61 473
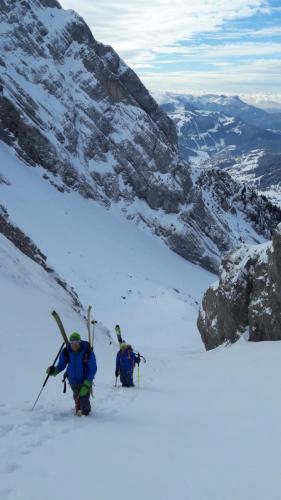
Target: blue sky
pixel 221 46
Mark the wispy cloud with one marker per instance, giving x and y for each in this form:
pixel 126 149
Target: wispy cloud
pixel 270 31
pixel 151 24
pixel 230 79
pixel 228 44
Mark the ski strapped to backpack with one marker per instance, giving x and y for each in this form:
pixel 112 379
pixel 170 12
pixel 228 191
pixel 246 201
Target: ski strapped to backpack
pixel 66 341
pixel 86 354
pixel 138 356
pixel 61 327
pixel 121 341
pixel 118 333
pixel 91 335
pixel 89 324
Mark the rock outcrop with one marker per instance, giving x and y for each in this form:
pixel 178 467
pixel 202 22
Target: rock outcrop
pixel 247 296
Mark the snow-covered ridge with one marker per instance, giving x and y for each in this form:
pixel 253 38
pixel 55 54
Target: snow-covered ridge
pixel 70 105
pixel 231 105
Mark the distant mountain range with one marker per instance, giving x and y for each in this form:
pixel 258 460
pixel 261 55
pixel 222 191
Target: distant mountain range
pixel 225 132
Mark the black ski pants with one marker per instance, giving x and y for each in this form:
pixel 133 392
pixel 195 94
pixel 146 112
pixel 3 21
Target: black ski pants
pixel 81 403
pixel 126 377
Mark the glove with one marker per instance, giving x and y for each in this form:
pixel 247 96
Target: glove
pixel 52 371
pixel 138 360
pixel 116 373
pixel 85 388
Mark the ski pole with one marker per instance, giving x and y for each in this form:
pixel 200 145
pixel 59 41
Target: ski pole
pixel 116 381
pixel 46 379
pixel 138 374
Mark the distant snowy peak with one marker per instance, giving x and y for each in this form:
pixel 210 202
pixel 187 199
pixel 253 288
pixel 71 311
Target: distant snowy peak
pixel 231 105
pixel 198 101
pixel 211 125
pixel 72 108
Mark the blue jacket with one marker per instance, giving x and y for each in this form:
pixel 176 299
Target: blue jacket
pixel 78 368
pixel 125 360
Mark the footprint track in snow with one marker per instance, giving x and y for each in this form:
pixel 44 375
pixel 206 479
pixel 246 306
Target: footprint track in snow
pixel 9 468
pixel 6 494
pixel 5 429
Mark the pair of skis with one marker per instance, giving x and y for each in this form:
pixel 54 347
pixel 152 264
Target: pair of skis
pixel 91 332
pixel 91 336
pixel 121 341
pixel 90 322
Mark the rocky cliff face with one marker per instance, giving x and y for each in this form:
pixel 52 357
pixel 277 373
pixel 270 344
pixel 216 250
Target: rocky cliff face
pixel 71 108
pixel 246 297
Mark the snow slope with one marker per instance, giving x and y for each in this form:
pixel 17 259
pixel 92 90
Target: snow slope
pixel 195 416
pixel 260 169
pixel 202 426
pixel 103 256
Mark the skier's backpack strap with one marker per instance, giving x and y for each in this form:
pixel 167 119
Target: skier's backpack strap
pixel 86 355
pixel 66 360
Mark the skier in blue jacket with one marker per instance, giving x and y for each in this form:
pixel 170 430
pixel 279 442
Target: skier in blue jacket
pixel 81 370
pixel 126 360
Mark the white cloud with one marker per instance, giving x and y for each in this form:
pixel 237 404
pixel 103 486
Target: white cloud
pixel 270 31
pixel 265 101
pixel 248 78
pixel 239 50
pixel 150 32
pixel 142 28
pixel 212 55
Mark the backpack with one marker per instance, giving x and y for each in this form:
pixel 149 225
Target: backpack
pixel 86 356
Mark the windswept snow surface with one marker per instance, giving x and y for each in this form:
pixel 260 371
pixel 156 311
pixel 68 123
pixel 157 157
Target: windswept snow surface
pixel 201 426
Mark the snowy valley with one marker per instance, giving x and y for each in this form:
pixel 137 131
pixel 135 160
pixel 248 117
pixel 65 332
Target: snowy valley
pixel 98 207
pixel 224 132
pixel 192 410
